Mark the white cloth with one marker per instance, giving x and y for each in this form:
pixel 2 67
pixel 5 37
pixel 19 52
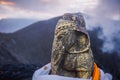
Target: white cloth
pixel 43 74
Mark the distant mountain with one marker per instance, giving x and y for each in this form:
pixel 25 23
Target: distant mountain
pixel 11 25
pixel 5 51
pixel 28 44
pixel 32 45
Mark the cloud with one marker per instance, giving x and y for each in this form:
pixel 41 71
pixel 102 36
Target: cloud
pixel 53 7
pixel 11 12
pixel 59 7
pixel 4 2
pixel 107 16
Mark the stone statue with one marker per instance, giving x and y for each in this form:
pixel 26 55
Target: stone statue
pixel 71 53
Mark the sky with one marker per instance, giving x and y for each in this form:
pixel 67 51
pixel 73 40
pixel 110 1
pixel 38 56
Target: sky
pixel 43 9
pixel 103 13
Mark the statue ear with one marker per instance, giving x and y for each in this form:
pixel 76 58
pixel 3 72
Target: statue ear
pixel 84 41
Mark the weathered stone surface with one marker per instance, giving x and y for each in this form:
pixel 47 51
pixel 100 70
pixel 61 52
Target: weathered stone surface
pixel 71 52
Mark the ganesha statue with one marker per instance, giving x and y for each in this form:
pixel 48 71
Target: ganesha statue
pixel 71 52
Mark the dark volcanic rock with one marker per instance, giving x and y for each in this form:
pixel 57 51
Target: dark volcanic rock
pixel 17 71
pixel 30 44
pixel 5 50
